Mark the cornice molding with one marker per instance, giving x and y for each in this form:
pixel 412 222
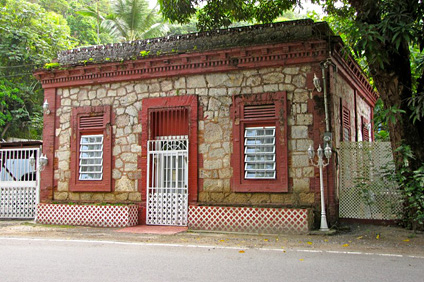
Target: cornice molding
pixel 186 64
pixel 354 73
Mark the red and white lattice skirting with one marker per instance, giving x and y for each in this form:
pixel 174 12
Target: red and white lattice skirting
pixel 88 215
pixel 249 220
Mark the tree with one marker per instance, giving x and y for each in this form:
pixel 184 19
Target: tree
pixel 29 38
pixel 222 13
pixel 132 20
pixel 388 34
pixel 387 37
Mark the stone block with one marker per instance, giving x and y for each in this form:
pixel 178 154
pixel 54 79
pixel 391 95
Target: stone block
pixel 299 132
pixel 306 198
pixel 213 132
pixel 101 93
pixel 216 197
pixel 216 92
pixel 116 174
pixel 98 197
pixel 196 81
pixel 291 70
pixel 225 173
pixel 124 184
pixel 253 81
pixel 141 88
pixel 60 196
pixel 308 171
pixel 237 198
pixel 166 85
pixel 213 185
pixel 271 78
pixel 109 197
pixel 301 185
pixel 134 197
pixel 299 81
pixel 86 196
pixel 271 88
pixel 212 164
pixel 216 153
pixel 303 144
pixel 203 197
pixel 121 197
pixel 74 196
pixel 304 119
pixel 299 160
pixel 259 198
pixel 301 96
pixel 62 186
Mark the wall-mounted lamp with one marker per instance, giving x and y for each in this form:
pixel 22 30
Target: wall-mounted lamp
pixel 32 160
pixel 43 161
pixel 317 83
pixel 46 108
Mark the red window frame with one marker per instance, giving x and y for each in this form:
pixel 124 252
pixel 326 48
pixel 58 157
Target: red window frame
pixel 104 185
pixel 240 122
pixel 365 132
pixel 346 128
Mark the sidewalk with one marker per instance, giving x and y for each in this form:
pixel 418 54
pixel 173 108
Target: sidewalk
pixel 355 238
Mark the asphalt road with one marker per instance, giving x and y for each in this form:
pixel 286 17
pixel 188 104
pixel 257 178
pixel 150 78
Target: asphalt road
pixel 26 259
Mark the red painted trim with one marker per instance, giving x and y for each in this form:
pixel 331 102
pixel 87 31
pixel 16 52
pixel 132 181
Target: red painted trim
pixel 49 140
pixel 355 77
pixel 104 185
pixel 190 102
pixel 239 183
pixel 187 64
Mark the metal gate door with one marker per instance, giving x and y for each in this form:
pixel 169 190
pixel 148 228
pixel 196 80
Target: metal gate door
pixel 19 182
pixel 167 185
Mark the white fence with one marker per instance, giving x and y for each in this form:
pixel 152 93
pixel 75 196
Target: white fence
pixel 167 182
pixel 19 182
pixel 367 190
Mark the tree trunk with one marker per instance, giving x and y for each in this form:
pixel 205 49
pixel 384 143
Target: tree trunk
pixel 393 81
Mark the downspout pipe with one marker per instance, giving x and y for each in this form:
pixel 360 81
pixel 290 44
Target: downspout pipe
pixel 324 66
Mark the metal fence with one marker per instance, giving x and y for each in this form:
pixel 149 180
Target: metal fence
pixel 19 182
pixel 367 188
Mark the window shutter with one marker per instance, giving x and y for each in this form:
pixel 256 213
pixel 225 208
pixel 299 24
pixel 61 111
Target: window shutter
pixel 346 124
pixel 365 131
pixel 259 111
pixel 90 122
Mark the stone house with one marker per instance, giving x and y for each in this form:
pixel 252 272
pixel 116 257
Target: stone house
pixel 209 130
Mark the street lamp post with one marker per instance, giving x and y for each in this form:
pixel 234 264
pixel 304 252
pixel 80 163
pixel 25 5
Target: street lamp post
pixel 327 152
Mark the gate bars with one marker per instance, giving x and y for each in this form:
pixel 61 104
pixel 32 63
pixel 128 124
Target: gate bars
pixel 167 181
pixel 19 182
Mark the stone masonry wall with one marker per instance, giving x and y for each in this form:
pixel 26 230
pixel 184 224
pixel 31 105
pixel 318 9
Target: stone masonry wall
pixel 215 93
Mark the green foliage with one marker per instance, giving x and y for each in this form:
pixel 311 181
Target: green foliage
pixel 144 53
pixel 132 20
pixel 215 14
pixel 412 184
pixel 29 37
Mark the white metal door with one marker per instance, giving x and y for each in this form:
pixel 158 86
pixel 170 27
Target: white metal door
pixel 19 182
pixel 167 181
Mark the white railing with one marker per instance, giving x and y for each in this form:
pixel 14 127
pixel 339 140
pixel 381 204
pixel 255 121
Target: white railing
pixel 19 182
pixel 167 181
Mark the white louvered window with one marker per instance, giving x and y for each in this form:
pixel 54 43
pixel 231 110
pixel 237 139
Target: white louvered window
pixel 259 152
pixel 91 157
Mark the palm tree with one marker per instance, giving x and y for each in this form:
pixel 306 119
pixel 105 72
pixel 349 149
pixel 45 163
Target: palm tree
pixel 133 20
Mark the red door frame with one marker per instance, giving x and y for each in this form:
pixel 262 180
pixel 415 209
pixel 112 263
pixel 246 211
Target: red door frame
pixel 190 102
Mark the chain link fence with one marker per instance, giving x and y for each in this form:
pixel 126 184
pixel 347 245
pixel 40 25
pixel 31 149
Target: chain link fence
pixel 367 187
